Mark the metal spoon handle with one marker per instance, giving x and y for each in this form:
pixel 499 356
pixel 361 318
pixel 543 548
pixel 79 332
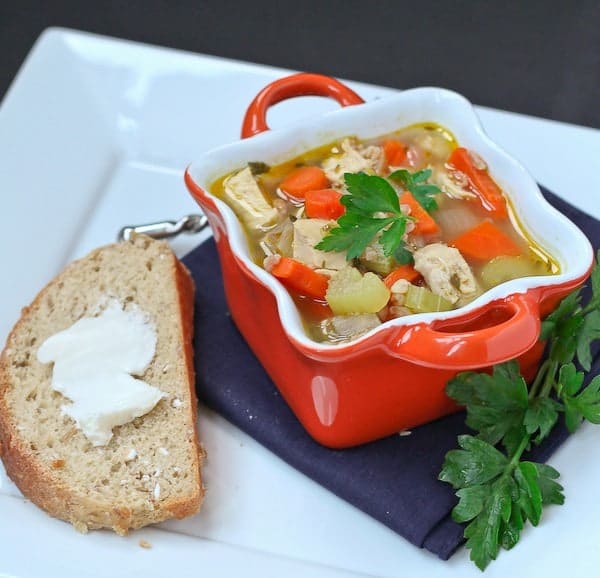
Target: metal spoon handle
pixel 166 229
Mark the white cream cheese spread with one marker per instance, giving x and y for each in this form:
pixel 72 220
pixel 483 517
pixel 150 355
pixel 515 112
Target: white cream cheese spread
pixel 94 363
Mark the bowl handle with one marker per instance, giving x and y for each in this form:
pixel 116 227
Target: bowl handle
pixel 301 84
pixel 435 346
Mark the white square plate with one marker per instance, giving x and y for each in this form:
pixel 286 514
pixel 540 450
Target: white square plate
pixel 95 134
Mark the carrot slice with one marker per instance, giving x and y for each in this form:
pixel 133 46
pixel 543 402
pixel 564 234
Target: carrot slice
pixel 301 180
pixel 487 191
pixel 300 278
pixel 485 241
pixel 407 272
pixel 424 224
pixel 323 204
pixel 395 153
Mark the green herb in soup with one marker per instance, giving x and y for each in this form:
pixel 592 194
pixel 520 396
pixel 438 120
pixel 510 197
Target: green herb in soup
pixel 361 232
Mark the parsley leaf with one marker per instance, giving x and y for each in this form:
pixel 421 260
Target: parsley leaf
pixel 472 502
pixel 589 332
pixel 417 184
pixel 552 492
pixel 569 383
pixel 496 404
pixel 510 531
pixel 540 417
pixel 530 495
pixel 372 209
pixel 569 380
pixel 588 401
pixel 370 194
pixel 402 255
pixel 483 534
pixel 258 167
pixel 353 234
pixel 476 463
pixel 392 236
pixel 563 312
pixel 585 405
pixel 595 278
pixel 565 334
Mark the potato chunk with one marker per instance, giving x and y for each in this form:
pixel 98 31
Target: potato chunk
pixel 349 292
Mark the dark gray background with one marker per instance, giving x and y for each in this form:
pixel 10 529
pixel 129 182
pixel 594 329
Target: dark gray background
pixel 533 57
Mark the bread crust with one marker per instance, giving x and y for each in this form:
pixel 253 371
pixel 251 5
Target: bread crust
pixel 43 487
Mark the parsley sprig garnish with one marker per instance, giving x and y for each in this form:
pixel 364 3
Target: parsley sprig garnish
pixel 373 211
pixel 497 490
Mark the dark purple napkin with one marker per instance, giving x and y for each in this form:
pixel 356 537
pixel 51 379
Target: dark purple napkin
pixel 393 479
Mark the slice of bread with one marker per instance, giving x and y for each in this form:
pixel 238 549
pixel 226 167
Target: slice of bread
pixel 150 470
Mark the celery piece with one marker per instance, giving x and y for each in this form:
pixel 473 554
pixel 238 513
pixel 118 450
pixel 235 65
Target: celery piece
pixel 422 300
pixel 349 292
pixel 375 260
pixel 505 268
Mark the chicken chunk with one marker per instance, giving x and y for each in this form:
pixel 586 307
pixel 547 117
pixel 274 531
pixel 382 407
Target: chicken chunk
pixel 374 259
pixel 353 159
pixel 445 271
pixel 247 200
pixel 307 233
pixel 346 327
pixel 452 184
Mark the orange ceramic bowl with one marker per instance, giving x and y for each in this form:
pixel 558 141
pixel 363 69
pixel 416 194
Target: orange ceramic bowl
pixel 393 377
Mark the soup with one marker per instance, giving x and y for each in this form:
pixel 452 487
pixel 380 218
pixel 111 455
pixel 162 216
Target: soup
pixel 364 231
